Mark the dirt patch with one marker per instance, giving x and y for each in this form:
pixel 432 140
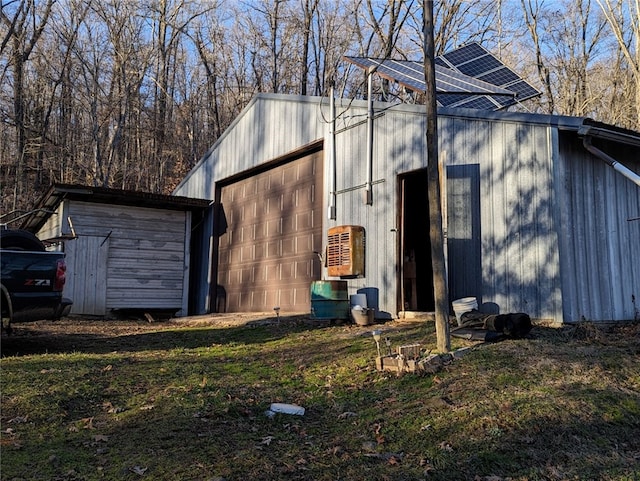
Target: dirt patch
pixel 80 334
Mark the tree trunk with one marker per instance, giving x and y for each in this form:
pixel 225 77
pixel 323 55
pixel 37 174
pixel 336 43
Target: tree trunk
pixel 436 236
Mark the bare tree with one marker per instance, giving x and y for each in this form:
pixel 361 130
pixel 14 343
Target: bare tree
pixel 575 34
pixel 623 17
pixel 532 13
pixel 25 22
pixel 112 82
pixel 209 39
pixel 309 9
pixel 266 21
pixel 436 235
pixel 565 41
pixel 168 26
pixel 131 94
pixel 333 36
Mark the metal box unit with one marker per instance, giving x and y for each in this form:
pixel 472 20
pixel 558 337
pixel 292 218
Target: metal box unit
pixel 345 251
pixel 329 300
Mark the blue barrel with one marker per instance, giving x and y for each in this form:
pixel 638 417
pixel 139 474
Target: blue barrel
pixel 329 300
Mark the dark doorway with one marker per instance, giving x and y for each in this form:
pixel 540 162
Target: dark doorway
pixel 415 247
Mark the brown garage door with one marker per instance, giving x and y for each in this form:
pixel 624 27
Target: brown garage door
pixel 274 224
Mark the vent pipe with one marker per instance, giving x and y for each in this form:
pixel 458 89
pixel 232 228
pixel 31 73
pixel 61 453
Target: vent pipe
pixel 368 191
pixel 331 213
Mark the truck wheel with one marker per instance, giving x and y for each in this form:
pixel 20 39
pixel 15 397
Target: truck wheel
pixel 20 240
pixel 5 305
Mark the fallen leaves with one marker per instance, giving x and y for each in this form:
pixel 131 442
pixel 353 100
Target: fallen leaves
pixel 393 417
pixel 18 420
pixel 266 440
pixel 445 446
pixel 111 409
pixel 87 423
pixel 139 470
pixel 347 414
pixel 12 440
pixel 49 371
pixel 392 459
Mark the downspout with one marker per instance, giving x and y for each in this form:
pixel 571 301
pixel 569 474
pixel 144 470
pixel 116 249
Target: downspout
pixel 331 214
pixel 368 191
pixel 628 173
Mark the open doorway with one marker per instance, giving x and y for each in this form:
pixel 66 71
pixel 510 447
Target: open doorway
pixel 416 276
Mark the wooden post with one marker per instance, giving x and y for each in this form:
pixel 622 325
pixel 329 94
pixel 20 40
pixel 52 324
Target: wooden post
pixel 441 293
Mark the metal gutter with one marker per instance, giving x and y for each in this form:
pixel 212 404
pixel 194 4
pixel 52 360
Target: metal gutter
pixel 59 192
pixel 602 131
pixel 588 132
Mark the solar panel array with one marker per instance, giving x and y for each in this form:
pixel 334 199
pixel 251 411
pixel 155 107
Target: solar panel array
pixel 468 77
pixel 475 61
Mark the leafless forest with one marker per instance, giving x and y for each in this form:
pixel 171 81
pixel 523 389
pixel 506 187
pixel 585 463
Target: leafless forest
pixel 131 94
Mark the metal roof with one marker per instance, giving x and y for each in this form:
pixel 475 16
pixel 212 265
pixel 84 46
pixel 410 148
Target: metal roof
pixel 50 201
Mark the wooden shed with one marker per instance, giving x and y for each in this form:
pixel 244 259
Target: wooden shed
pixel 124 250
pixel 536 221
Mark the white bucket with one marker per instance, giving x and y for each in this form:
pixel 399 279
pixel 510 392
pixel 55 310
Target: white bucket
pixel 466 304
pixel 358 300
pixel 362 316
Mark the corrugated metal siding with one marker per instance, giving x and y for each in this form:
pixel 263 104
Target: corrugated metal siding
pixel 599 245
pixel 523 227
pixel 269 127
pixel 200 269
pixel 398 147
pixel 519 243
pixel 519 257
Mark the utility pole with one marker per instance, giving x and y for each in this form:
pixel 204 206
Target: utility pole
pixel 441 292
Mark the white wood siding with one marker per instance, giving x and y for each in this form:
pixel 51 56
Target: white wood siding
pixel 53 226
pixel 146 264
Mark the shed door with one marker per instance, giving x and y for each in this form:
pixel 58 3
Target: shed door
pixel 86 283
pixel 273 226
pixel 464 236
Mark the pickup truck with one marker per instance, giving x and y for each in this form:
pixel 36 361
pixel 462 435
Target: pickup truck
pixel 32 279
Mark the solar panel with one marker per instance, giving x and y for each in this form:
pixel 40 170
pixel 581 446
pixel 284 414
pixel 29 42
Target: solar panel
pixel 472 50
pixel 468 77
pixel 477 62
pixel 411 75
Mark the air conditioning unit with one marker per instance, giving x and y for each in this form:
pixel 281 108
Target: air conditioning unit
pixel 345 251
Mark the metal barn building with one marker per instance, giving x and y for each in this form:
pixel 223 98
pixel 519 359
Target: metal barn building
pixel 131 250
pixel 536 221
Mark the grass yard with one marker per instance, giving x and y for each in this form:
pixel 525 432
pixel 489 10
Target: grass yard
pixel 132 400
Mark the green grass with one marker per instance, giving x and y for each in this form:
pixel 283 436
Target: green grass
pixel 184 403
